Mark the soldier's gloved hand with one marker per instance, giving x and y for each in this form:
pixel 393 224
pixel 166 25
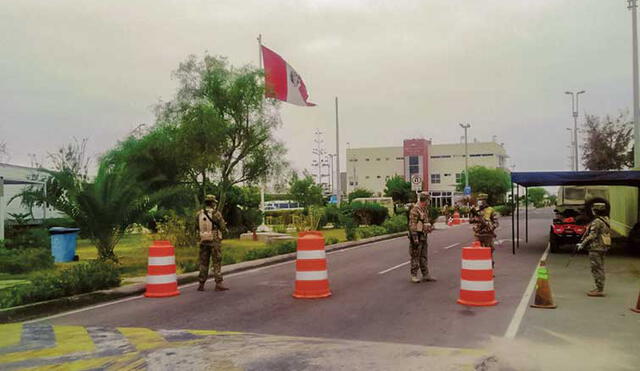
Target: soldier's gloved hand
pixel 579 247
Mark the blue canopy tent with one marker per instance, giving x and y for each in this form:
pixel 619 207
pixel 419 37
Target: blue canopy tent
pixel 561 178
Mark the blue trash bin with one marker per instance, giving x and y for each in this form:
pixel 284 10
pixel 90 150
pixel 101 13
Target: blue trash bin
pixel 64 242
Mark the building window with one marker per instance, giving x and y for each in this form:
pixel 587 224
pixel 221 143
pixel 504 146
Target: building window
pixel 400 158
pixel 387 177
pixel 366 159
pixel 366 177
pixel 441 156
pixel 354 160
pixel 378 159
pixel 379 176
pixel 414 165
pixel 435 178
pixel 447 174
pixel 458 178
pixel 350 183
pixel 386 158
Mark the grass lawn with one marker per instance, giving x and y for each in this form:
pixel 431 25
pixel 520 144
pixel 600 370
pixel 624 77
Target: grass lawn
pixel 132 252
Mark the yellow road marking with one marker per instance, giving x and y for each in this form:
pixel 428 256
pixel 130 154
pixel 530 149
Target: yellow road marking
pixel 88 364
pixel 212 332
pixel 69 339
pixel 143 338
pixel 11 334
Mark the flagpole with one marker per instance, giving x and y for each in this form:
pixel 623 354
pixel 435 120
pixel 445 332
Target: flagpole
pixel 338 191
pixel 263 227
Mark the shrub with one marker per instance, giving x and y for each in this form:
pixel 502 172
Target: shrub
pixel 260 253
pixel 189 265
pixel 395 224
pixel 332 215
pixel 80 278
pixel 350 232
pixel 18 261
pixel 234 231
pixel 331 241
pixel 228 259
pixel 371 231
pixel 180 230
pixel 279 228
pixel 285 247
pixel 369 213
pixel 434 213
pixel 20 238
pixel 504 210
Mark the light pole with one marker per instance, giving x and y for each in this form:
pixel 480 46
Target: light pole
pixel 331 156
pixel 574 108
pixel 633 5
pixel 571 149
pixel 466 154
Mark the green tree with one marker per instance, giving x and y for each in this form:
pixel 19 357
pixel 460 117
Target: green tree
pixel 226 128
pixel 360 193
pixel 536 196
pixel 607 144
pixel 104 208
pixel 398 189
pixel 494 182
pixel 305 191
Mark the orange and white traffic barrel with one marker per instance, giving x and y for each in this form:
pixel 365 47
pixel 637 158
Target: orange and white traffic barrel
pixel 161 273
pixel 476 283
pixel 312 279
pixel 456 218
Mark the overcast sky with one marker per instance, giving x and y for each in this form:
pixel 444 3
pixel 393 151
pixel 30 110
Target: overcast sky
pixel 401 69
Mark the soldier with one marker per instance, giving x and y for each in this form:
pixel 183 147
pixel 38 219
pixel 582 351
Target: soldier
pixel 418 230
pixel 597 240
pixel 485 222
pixel 211 225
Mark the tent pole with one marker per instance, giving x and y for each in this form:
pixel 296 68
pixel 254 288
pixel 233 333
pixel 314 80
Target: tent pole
pixel 513 222
pixel 526 214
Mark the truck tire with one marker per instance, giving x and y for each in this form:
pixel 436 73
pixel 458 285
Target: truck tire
pixel 554 246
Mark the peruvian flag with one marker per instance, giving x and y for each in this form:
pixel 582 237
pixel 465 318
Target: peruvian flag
pixel 282 81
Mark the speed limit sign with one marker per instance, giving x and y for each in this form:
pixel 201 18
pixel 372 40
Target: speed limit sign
pixel 416 182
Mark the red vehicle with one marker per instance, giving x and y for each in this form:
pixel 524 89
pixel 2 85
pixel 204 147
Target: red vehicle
pixel 565 231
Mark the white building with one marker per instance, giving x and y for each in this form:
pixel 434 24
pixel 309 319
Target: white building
pixel 440 165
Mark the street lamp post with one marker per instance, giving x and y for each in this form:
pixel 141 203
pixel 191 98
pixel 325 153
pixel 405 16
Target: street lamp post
pixel 574 108
pixel 331 156
pixel 633 6
pixel 466 154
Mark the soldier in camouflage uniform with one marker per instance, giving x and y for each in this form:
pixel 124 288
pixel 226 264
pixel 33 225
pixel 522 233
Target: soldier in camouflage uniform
pixel 211 225
pixel 485 223
pixel 597 240
pixel 419 227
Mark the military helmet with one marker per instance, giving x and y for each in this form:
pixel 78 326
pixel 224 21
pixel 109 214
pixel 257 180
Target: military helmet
pixel 210 198
pixel 482 196
pixel 424 197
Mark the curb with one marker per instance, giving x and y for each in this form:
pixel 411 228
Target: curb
pixel 54 306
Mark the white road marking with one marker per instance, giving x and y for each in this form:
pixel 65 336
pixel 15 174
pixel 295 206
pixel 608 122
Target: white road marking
pixel 63 314
pixel 450 246
pixel 396 267
pixel 512 330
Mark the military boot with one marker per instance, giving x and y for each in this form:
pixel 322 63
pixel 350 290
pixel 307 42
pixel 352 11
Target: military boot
pixel 429 278
pixel 220 287
pixel 201 286
pixel 415 279
pixel 595 293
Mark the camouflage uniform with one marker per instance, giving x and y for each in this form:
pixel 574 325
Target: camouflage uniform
pixel 593 240
pixel 210 243
pixel 485 222
pixel 418 230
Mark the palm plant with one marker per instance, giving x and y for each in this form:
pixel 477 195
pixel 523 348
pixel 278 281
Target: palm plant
pixel 104 208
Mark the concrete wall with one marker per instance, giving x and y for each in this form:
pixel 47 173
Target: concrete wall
pixel 21 173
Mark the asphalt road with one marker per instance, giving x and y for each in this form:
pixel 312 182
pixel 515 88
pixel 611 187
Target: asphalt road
pixel 366 304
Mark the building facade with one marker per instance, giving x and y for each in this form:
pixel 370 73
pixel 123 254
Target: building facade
pixel 439 165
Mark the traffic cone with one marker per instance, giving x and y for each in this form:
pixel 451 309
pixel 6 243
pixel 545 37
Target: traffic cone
pixel 637 308
pixel 476 283
pixel 161 274
pixel 543 290
pixel 456 218
pixel 312 280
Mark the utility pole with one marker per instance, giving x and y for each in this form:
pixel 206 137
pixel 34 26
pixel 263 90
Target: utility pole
pixel 571 150
pixel 574 109
pixel 633 6
pixel 319 151
pixel 331 186
pixel 338 192
pixel 466 154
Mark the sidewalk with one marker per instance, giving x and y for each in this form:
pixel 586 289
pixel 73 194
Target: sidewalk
pixel 583 333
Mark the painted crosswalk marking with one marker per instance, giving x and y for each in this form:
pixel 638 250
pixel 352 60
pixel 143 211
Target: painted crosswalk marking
pixel 45 347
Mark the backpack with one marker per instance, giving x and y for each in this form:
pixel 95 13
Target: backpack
pixel 606 236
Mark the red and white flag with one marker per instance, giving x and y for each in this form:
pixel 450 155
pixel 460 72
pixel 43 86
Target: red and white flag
pixel 282 81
